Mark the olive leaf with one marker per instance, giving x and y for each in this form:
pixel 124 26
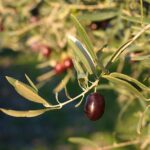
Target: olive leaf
pixel 83 80
pixel 84 37
pixel 140 123
pixel 27 91
pixel 63 83
pixel 27 113
pixel 31 83
pixel 83 141
pixel 125 84
pixel 99 15
pixel 83 55
pixel 13 80
pixel 130 79
pixel 141 58
pixel 77 65
pixel 135 19
pixel 81 75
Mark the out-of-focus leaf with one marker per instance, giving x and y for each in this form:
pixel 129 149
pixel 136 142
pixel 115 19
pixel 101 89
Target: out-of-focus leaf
pixel 136 19
pixel 140 58
pixel 26 92
pixel 83 141
pixel 78 50
pixel 98 15
pixel 84 37
pixel 62 84
pixel 140 123
pixel 27 113
pixel 46 76
pixel 148 1
pixel 126 85
pixel 130 79
pixel 31 83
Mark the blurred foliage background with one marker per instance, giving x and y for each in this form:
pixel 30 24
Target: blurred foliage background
pixel 33 40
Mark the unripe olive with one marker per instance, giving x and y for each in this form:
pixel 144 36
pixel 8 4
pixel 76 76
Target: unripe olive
pixel 94 106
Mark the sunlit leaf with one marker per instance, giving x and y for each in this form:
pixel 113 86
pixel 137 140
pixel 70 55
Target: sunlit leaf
pixel 126 85
pixel 83 141
pixel 20 113
pixel 82 54
pixel 13 80
pixel 130 79
pixel 25 91
pixel 84 37
pixel 31 83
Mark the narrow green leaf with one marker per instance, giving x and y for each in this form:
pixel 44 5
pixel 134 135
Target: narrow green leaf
pixel 13 80
pixel 126 85
pixel 140 123
pixel 81 75
pixel 78 66
pixel 135 19
pixel 130 79
pixel 83 55
pixel 27 92
pixel 83 141
pixel 84 37
pixel 141 58
pixel 99 15
pixel 20 113
pixel 31 83
pixel 62 84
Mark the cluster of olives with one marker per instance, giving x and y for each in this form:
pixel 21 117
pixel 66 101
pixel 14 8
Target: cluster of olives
pixel 62 66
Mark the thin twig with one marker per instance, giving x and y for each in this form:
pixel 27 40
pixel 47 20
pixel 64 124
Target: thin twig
pixel 78 96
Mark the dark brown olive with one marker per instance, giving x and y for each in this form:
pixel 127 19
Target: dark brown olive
pixel 96 25
pixel 94 106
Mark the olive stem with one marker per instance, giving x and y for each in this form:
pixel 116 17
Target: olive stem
pixel 78 96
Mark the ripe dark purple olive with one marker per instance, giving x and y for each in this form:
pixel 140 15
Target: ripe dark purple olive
pixel 94 106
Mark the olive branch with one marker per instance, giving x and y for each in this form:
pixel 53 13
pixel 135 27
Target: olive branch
pixel 86 64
